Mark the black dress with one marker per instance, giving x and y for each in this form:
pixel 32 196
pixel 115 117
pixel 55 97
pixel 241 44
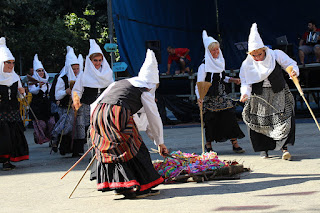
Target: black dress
pixel 13 143
pixel 219 114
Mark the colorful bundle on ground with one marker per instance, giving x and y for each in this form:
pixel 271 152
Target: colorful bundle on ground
pixel 187 163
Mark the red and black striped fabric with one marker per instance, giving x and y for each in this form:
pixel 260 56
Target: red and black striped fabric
pixel 114 133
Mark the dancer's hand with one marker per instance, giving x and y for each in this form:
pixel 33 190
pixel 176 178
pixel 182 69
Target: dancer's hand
pixel 21 90
pixel 293 74
pixel 68 91
pixel 244 98
pixel 163 151
pixel 237 81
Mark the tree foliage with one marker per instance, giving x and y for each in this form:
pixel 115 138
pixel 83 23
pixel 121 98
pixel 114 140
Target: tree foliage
pixel 46 27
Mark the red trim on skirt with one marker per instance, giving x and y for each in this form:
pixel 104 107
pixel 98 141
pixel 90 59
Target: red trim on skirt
pixel 21 158
pixel 4 156
pixel 150 185
pixel 129 184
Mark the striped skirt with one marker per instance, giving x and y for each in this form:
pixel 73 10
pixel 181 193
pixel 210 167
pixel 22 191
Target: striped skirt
pixel 123 160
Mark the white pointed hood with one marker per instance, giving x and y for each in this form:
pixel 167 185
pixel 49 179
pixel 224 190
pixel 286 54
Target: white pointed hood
pixel 92 77
pixel 212 65
pixel 149 71
pixel 71 59
pixel 148 76
pixel 80 59
pixel 5 55
pixel 254 42
pixel 36 63
pixel 252 71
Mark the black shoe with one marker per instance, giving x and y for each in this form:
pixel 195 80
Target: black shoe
pixel 8 166
pixel 76 155
pixel 209 149
pixel 54 148
pixel 154 192
pixel 142 194
pixel 238 149
pixel 128 194
pixel 62 152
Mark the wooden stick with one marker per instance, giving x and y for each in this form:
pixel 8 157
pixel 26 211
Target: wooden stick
pixel 297 84
pixel 314 117
pixel 74 165
pixel 65 121
pixel 85 171
pixel 202 134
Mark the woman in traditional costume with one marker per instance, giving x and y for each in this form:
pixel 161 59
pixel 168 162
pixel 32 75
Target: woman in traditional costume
pixel 219 115
pixel 40 104
pixel 123 160
pixel 269 107
pixel 97 76
pixel 13 144
pixel 65 124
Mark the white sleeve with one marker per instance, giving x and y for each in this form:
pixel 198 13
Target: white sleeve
pixel 226 79
pixel 285 61
pixel 201 76
pixel 78 87
pixel 155 127
pixel 19 83
pixel 245 88
pixel 34 89
pixel 60 91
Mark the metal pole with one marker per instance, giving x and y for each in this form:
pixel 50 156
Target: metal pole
pixel 217 17
pixel 110 25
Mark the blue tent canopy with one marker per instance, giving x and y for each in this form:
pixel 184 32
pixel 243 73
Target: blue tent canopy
pixel 180 24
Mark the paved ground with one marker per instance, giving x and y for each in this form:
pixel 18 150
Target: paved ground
pixel 274 185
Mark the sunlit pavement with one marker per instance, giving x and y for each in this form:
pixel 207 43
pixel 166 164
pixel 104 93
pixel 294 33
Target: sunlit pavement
pixel 273 185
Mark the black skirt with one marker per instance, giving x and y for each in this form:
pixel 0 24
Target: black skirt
pixel 261 142
pixel 221 126
pixel 13 143
pixel 137 172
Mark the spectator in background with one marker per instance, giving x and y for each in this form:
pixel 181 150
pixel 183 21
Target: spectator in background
pixel 310 42
pixel 181 57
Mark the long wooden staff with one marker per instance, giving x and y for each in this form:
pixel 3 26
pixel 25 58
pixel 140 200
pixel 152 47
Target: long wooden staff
pixel 203 88
pixel 71 84
pixel 35 117
pixel 74 165
pixel 85 171
pixel 296 83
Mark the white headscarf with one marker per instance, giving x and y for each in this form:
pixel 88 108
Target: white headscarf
pixel 91 76
pixel 213 65
pixel 149 73
pixel 256 71
pixel 5 55
pixel 80 59
pixel 38 65
pixel 71 59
